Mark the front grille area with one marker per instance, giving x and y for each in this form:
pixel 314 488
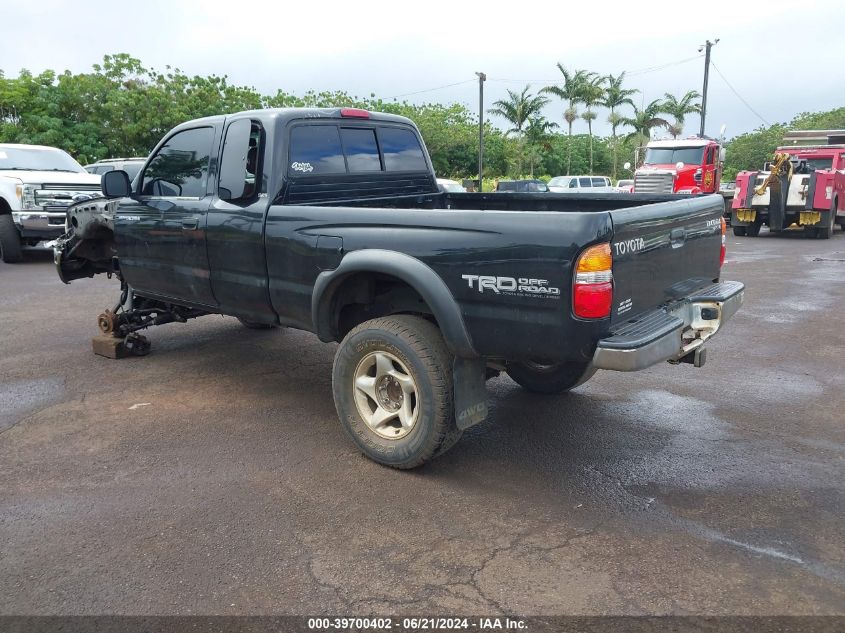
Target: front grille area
pixel 653 183
pixel 59 196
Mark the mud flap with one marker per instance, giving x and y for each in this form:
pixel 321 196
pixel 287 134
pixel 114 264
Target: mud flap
pixel 469 376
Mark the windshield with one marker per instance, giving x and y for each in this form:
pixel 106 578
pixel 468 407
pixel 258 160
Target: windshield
pixel 819 163
pixel 27 159
pixel 559 181
pixel 672 155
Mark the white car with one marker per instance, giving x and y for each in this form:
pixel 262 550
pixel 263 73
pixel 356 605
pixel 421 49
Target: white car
pixel 450 186
pixel 37 184
pixel 624 186
pixel 570 184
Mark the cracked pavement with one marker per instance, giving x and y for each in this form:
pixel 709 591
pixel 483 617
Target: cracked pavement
pixel 675 490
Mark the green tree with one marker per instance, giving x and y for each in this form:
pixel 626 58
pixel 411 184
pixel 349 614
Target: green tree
pixel 538 134
pixel 615 96
pixel 643 122
pixel 592 94
pixel 570 92
pixel 679 109
pixel 518 109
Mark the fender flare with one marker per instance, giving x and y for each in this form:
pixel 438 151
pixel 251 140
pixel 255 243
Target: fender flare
pixel 412 271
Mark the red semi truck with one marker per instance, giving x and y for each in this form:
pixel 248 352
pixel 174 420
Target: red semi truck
pixel 692 165
pixel 804 185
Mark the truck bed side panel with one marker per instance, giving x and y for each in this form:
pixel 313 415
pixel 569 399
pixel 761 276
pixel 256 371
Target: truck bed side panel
pixel 509 272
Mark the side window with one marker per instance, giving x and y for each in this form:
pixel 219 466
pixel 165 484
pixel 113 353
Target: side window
pixel 599 182
pixel 360 148
pixel 401 150
pixel 180 167
pixel 584 182
pixel 573 184
pixel 315 149
pixel 240 174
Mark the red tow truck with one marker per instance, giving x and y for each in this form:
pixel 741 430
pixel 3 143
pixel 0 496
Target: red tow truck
pixel 803 185
pixel 691 165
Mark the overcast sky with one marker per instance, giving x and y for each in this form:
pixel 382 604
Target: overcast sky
pixel 780 58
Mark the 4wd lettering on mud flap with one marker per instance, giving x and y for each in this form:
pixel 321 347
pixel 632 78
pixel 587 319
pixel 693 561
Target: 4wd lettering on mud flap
pixel 517 286
pixel 629 246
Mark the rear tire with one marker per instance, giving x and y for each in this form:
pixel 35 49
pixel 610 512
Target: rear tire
pixel 753 229
pixel 740 231
pixel 551 378
pixel 392 385
pixel 825 233
pixel 10 241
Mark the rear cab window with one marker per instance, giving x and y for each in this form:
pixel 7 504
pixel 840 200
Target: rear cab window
pixel 340 148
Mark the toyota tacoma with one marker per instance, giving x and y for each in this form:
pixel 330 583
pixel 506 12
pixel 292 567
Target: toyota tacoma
pixel 331 221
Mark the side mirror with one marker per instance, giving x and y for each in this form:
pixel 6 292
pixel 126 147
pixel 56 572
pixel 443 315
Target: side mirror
pixel 722 154
pixel 626 166
pixel 115 184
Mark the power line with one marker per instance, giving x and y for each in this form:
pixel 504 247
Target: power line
pixel 651 69
pixel 738 96
pixel 628 73
pixel 408 94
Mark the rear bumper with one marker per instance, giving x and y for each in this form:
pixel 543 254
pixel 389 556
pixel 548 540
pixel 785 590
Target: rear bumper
pixel 671 332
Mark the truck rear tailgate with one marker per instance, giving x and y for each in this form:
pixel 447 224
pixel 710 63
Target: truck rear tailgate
pixel 663 252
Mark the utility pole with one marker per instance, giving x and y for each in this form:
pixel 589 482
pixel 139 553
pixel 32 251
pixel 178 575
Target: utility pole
pixel 481 79
pixel 706 48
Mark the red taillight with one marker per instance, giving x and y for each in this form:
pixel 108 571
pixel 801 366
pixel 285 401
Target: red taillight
pixel 355 113
pixel 592 301
pixel 592 292
pixel 724 244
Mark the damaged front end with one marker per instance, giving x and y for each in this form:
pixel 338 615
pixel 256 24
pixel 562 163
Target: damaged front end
pixel 87 248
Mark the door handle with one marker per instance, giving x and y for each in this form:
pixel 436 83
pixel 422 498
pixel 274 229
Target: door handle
pixel 190 224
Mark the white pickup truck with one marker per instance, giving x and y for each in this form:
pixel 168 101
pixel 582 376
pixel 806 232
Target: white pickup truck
pixel 37 184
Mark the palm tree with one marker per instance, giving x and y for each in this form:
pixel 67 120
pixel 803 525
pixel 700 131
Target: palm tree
pixel 679 108
pixel 571 93
pixel 592 94
pixel 537 134
pixel 615 96
pixel 517 110
pixel 643 122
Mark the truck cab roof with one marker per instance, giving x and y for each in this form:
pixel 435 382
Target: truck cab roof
pixel 281 116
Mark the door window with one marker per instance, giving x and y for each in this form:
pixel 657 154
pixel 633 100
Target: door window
pixel 584 182
pixel 180 167
pixel 240 162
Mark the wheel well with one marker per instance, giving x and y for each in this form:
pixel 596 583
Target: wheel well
pixel 4 206
pixel 364 296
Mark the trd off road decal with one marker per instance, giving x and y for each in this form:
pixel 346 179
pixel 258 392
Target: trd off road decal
pixel 512 286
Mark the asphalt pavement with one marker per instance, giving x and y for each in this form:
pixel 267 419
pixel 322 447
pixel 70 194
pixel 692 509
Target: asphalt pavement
pixel 212 476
